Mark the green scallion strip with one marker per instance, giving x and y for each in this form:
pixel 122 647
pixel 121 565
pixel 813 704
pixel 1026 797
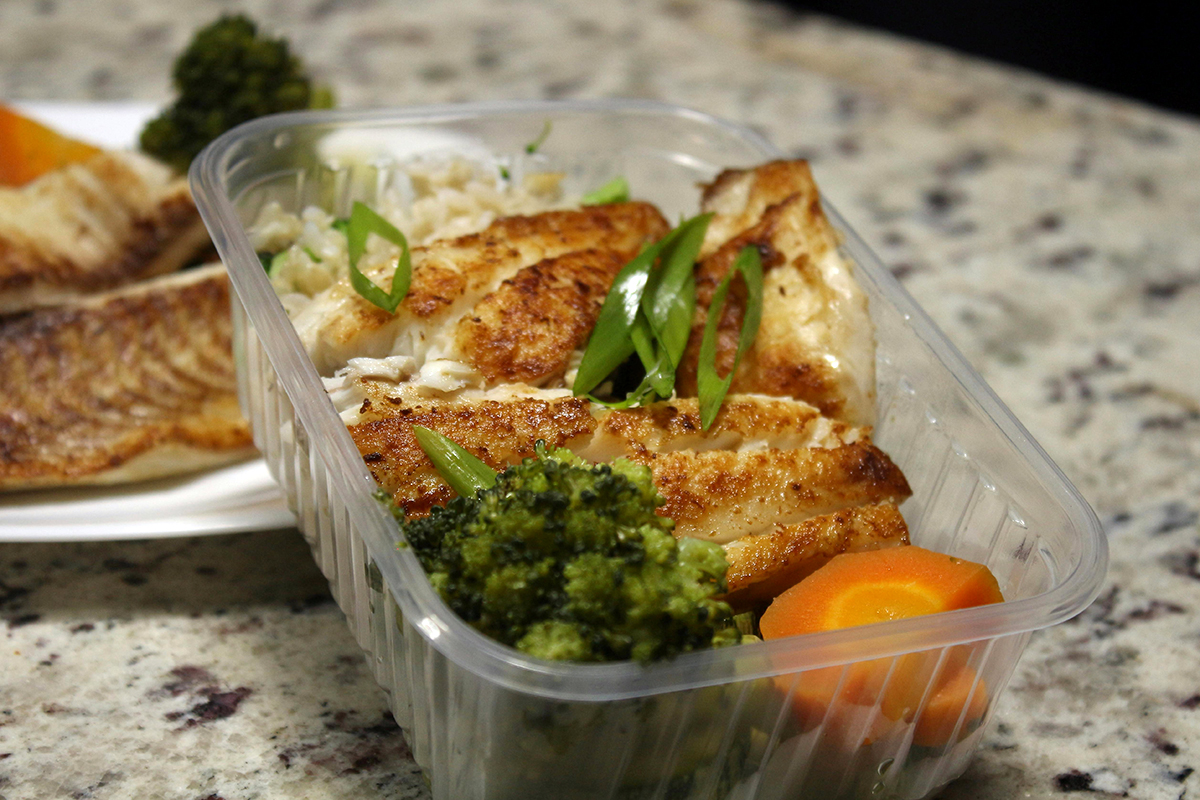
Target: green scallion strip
pixel 610 342
pixel 711 388
pixel 363 222
pixel 533 146
pixel 276 262
pixel 465 473
pixel 615 191
pixel 669 301
pixel 647 311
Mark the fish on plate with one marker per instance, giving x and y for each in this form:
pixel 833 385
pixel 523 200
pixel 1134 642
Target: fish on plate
pixel 126 385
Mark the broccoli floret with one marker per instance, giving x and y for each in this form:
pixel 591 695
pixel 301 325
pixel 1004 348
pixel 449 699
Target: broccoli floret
pixel 227 75
pixel 568 561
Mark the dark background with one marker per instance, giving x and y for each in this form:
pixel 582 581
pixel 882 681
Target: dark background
pixel 1139 49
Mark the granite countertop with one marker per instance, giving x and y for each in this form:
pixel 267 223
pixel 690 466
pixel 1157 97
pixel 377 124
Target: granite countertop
pixel 1050 231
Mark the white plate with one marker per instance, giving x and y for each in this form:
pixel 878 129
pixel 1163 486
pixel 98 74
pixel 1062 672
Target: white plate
pixel 242 497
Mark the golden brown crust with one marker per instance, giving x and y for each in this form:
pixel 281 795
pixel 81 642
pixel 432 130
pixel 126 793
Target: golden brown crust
pixel 785 370
pixel 764 565
pixel 526 331
pixel 112 220
pixel 724 494
pixel 674 425
pixel 740 197
pixel 499 433
pixel 449 277
pixel 89 392
pixel 814 342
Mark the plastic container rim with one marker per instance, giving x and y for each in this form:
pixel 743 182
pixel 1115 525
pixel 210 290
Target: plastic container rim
pixel 508 667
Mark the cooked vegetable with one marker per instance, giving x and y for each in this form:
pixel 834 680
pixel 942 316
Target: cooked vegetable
pixel 363 222
pixel 959 693
pixel 465 473
pixel 28 149
pixel 537 143
pixel 568 561
pixel 615 191
pixel 647 311
pixel 711 388
pixel 876 586
pixel 227 75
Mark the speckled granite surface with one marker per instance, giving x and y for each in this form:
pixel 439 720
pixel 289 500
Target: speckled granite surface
pixel 1054 234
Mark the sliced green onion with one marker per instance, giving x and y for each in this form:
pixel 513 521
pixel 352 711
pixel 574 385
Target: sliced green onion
pixel 308 251
pixel 643 393
pixel 340 224
pixel 363 222
pixel 265 260
pixel 615 191
pixel 533 146
pixel 465 473
pixel 669 301
pixel 276 262
pixel 647 311
pixel 610 342
pixel 711 388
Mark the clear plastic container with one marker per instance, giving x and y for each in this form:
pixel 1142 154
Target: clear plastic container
pixel 486 721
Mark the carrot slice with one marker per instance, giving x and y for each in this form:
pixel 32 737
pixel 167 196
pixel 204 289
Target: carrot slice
pixel 958 693
pixel 28 149
pixel 896 583
pixel 878 585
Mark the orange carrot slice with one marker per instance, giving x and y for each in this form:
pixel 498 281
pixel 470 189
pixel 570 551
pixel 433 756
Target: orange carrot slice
pixel 878 585
pixel 896 583
pixel 28 149
pixel 959 693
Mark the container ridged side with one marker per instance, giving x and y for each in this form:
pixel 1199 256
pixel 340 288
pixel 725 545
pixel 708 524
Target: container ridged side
pixel 749 738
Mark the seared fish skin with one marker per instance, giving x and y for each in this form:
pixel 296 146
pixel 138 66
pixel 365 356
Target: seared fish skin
pixel 129 385
pixel 89 227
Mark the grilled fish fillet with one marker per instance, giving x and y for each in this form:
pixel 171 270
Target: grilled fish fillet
pixel 785 478
pixel 89 227
pixel 816 341
pixel 132 384
pixel 782 487
pixel 451 277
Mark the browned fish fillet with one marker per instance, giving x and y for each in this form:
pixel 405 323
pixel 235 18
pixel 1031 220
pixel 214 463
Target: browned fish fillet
pixel 715 494
pixel 722 495
pixel 787 475
pixel 526 330
pixel 133 384
pixel 498 432
pixel 815 341
pixel 450 277
pixel 763 565
pixel 112 220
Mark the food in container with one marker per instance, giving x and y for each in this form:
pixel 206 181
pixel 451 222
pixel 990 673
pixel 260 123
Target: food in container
pixel 484 721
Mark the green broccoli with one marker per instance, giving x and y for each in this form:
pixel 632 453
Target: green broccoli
pixel 227 75
pixel 566 560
